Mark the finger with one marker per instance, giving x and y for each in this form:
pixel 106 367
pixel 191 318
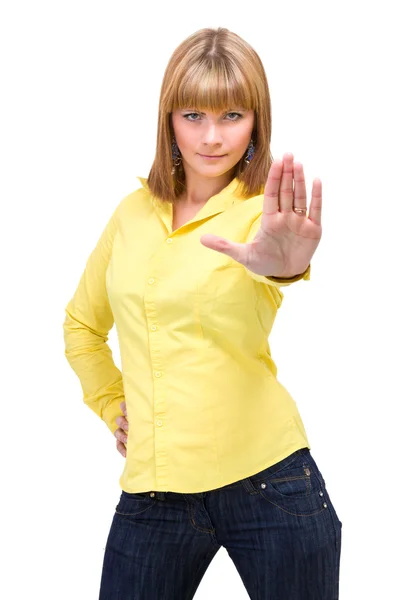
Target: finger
pixel 123 407
pixel 121 435
pixel 121 448
pixel 300 194
pixel 286 187
pixel 122 422
pixel 316 202
pixel 271 190
pixel 235 250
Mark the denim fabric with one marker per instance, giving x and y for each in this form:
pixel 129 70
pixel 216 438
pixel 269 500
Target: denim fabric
pixel 278 526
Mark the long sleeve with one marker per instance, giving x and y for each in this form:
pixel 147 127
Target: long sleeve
pixel 273 281
pixel 87 322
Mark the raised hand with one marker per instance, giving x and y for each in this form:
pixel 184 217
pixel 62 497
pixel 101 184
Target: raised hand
pixel 286 239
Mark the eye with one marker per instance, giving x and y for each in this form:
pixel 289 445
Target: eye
pixel 239 116
pixel 189 115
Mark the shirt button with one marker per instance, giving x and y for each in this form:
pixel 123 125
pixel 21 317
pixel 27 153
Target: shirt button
pixel 169 241
pixel 151 280
pixel 159 422
pixel 157 374
pixel 153 327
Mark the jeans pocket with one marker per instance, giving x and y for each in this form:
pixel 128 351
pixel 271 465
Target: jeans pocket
pixel 296 487
pixel 132 504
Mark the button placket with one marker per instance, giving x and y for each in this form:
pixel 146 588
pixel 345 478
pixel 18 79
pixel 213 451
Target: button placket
pixel 159 404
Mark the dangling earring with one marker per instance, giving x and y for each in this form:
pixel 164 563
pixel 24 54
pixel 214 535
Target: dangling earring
pixel 250 152
pixel 176 156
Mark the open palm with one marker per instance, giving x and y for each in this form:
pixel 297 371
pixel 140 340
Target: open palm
pixel 286 240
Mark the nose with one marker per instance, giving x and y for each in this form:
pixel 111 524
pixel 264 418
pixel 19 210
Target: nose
pixel 212 134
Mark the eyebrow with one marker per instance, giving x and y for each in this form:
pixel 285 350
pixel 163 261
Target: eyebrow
pixel 224 111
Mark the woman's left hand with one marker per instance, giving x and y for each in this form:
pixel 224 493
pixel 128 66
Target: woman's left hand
pixel 286 241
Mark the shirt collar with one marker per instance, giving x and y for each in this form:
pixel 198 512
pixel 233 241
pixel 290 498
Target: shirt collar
pixel 224 200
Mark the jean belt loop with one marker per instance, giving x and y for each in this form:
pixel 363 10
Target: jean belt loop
pixel 249 486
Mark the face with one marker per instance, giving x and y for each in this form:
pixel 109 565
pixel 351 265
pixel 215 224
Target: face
pixel 224 135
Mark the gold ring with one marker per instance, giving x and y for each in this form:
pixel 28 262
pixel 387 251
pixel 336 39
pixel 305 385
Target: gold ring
pixel 300 211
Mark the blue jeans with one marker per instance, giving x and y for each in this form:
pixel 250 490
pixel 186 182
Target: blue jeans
pixel 278 526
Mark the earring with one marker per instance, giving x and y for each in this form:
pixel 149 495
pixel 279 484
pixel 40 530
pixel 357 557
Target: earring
pixel 176 156
pixel 250 152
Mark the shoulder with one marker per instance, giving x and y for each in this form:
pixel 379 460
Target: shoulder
pixel 133 201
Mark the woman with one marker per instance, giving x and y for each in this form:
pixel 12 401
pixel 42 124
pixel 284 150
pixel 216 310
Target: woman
pixel 190 268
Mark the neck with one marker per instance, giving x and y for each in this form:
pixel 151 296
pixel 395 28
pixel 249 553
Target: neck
pixel 200 189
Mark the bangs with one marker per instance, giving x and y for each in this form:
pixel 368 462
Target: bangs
pixel 213 86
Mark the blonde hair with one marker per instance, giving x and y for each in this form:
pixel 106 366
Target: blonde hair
pixel 213 69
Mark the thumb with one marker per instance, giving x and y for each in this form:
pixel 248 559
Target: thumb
pixel 233 249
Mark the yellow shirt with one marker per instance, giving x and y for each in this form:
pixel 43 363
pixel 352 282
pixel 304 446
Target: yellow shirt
pixel 204 405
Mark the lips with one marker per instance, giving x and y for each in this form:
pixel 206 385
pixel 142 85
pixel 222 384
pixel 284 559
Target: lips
pixel 212 155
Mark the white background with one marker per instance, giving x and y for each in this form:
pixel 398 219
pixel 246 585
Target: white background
pixel 80 88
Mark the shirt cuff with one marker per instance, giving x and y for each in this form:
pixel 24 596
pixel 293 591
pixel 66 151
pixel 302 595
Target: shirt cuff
pixel 111 412
pixel 280 281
